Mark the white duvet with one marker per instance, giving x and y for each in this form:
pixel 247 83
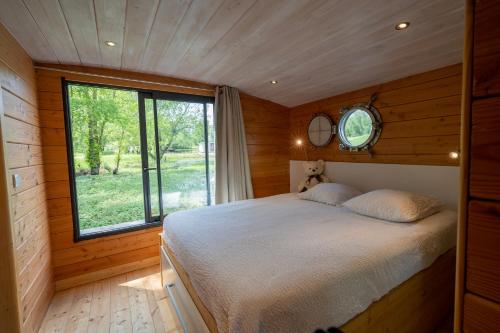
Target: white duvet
pixel 281 264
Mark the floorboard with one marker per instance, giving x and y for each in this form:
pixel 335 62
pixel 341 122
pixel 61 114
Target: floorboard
pixel 128 303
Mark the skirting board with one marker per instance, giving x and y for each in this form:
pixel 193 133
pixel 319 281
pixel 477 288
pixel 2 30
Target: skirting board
pixel 105 273
pixel 441 182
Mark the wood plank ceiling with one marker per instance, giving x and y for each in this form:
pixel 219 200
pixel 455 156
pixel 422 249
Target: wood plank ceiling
pixel 313 48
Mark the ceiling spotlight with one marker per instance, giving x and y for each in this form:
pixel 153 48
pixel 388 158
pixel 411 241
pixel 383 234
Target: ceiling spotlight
pixel 274 82
pixel 402 25
pixel 110 43
pixel 454 155
pixel 299 142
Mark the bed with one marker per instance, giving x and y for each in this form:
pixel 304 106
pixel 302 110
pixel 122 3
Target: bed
pixel 281 264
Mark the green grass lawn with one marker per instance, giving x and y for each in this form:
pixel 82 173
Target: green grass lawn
pixel 108 199
pixel 357 140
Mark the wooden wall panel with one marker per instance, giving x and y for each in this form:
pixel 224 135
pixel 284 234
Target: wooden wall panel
pixel 30 177
pixel 16 108
pixel 421 117
pixel 19 155
pixel 267 134
pixel 77 263
pixel 24 202
pixel 9 299
pixel 23 157
pixel 481 315
pixel 29 274
pixel 16 84
pixel 26 226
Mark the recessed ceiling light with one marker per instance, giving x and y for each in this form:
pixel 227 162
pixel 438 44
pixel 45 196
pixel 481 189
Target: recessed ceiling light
pixel 110 43
pixel 402 25
pixel 274 82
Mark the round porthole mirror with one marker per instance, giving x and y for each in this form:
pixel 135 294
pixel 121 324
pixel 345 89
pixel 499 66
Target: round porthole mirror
pixel 321 130
pixel 359 127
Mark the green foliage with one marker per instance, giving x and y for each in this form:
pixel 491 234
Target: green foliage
pixel 358 127
pixel 105 119
pixel 111 199
pixel 96 114
pixel 180 126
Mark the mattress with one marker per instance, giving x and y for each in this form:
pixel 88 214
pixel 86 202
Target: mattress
pixel 281 264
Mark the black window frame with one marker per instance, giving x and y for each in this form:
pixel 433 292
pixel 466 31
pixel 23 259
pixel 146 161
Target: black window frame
pixel 154 94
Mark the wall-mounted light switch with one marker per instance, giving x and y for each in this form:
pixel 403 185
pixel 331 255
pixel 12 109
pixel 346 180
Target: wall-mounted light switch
pixel 16 180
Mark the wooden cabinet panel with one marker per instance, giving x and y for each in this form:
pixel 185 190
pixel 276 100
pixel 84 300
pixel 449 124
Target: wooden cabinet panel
pixel 480 315
pixel 477 302
pixel 485 149
pixel 486 48
pixel 483 239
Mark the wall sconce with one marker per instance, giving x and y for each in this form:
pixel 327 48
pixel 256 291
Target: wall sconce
pixel 454 155
pixel 299 144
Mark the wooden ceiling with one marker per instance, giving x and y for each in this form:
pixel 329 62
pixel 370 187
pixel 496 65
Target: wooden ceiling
pixel 313 48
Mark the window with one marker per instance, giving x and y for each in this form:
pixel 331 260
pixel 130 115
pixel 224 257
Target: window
pixel 359 127
pixel 136 156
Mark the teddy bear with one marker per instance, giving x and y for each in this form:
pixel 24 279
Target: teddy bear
pixel 314 175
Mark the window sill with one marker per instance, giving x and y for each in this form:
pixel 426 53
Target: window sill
pixel 115 229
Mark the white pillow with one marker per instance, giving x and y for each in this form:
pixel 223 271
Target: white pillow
pixel 329 193
pixel 396 206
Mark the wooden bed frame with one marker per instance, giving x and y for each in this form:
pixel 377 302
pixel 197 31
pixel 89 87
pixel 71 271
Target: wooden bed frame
pixel 419 304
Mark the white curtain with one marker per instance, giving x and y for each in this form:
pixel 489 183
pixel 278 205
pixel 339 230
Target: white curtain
pixel 232 169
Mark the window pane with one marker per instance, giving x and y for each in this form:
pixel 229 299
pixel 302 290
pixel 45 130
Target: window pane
pixel 358 127
pixel 106 156
pixel 155 194
pixel 182 155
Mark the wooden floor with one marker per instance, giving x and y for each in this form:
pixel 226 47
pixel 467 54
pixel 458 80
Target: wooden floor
pixel 133 302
